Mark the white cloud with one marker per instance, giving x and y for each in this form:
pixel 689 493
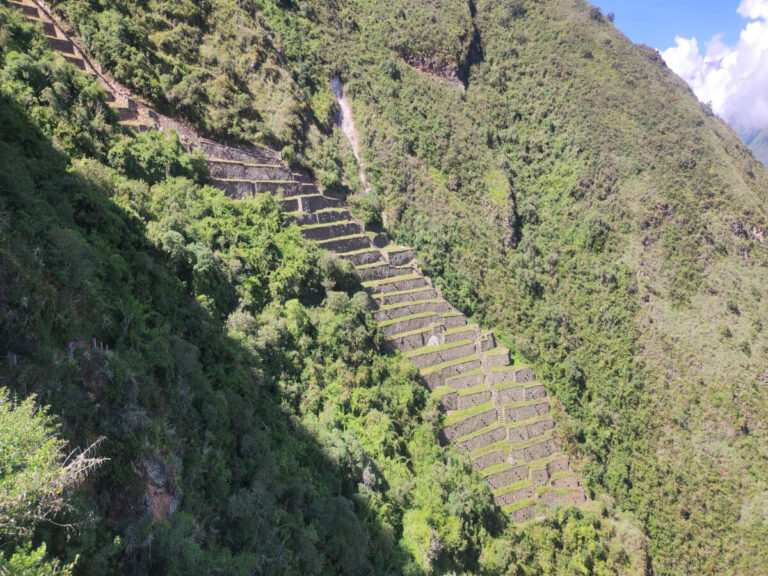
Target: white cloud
pixel 754 9
pixel 733 79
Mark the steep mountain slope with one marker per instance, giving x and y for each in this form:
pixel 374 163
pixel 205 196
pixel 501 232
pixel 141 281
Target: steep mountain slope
pixel 578 195
pixel 637 278
pixel 558 183
pixel 253 423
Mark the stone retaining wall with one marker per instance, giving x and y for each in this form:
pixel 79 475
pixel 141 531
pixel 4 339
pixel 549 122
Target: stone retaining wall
pixel 512 395
pixel 520 413
pixel 233 171
pixel 409 324
pixel 529 431
pixel 488 460
pixel 438 378
pixel 428 358
pixel 466 381
pixel 329 231
pixel 387 300
pixel 513 496
pixel 468 425
pixel 537 451
pixel 485 439
pixel 506 477
pixel 519 374
pixel 414 341
pixel 475 399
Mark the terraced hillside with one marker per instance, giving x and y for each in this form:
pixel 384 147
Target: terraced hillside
pixel 495 410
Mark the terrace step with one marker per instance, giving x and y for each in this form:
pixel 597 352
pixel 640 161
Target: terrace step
pixel 247 154
pixel 408 323
pixel 243 188
pixel 522 511
pixel 561 497
pixel 327 216
pixel 453 319
pixel 62 45
pixel 331 230
pixel 396 284
pixel 529 429
pixel 525 410
pixel 393 311
pixel 466 380
pixel 505 474
pixel 514 493
pixel 346 243
pixel 514 373
pixel 75 60
pixel 469 397
pixel 497 357
pixel 413 339
pixel 289 205
pixel 124 111
pixel 543 470
pixel 398 255
pixel 565 479
pixel 48 28
pixel 465 332
pixel 451 400
pixel 512 392
pixel 463 422
pixel 490 456
pixel 138 126
pixel 309 203
pixel 30 11
pixel 381 270
pixel 433 355
pixel 414 295
pixel 438 375
pixel 364 256
pixel 492 434
pixel 221 168
pixel 534 449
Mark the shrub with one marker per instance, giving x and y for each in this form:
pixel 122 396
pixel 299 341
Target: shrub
pixel 595 14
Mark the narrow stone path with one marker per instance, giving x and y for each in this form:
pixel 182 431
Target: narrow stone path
pixel 493 409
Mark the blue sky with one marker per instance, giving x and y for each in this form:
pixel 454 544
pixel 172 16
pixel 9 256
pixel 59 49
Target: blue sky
pixel 657 22
pixel 720 47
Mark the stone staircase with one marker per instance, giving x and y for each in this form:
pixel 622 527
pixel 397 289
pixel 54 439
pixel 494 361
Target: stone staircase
pixel 493 409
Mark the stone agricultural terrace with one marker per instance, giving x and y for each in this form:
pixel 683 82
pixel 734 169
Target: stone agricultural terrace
pixel 494 410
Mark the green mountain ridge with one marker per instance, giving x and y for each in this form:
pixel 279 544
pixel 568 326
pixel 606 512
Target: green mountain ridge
pixel 570 193
pixel 757 140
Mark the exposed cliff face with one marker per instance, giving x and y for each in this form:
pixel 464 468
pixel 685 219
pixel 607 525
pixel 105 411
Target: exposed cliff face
pixel 456 71
pixel 436 68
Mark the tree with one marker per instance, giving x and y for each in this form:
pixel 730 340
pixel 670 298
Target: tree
pixel 36 473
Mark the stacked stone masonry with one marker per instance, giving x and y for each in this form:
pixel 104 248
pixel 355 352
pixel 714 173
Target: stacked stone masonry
pixel 493 410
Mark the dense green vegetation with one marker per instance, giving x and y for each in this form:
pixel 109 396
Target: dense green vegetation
pixel 211 62
pixel 251 422
pixel 577 197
